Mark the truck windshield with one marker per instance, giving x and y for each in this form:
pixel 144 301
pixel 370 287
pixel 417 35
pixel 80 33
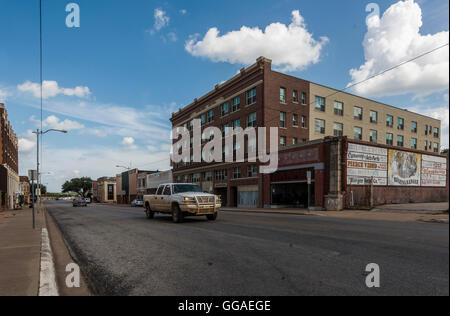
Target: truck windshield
pixel 182 188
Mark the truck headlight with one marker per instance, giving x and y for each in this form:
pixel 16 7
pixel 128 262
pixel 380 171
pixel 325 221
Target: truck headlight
pixel 189 199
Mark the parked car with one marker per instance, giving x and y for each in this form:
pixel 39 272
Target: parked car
pixel 137 203
pixel 182 200
pixel 79 202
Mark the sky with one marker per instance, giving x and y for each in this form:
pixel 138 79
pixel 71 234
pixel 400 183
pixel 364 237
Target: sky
pixel 114 81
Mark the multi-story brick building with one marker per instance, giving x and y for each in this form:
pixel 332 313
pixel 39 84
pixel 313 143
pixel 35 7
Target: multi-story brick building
pixel 302 111
pixel 9 164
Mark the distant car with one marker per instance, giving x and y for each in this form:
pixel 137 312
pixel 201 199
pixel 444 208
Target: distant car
pixel 137 203
pixel 79 202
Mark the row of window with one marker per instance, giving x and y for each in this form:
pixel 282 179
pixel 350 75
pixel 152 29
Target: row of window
pixel 295 120
pixel 373 117
pixel 219 175
pixel 338 130
pixel 295 96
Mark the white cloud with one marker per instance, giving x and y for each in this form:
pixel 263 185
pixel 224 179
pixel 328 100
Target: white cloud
pixel 52 89
pixel 161 19
pixel 3 95
pixel 291 47
pixel 393 39
pixel 54 122
pixel 26 145
pixel 172 37
pixel 440 113
pixel 183 11
pixel 129 143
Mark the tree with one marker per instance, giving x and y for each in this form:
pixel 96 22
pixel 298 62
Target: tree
pixel 444 151
pixel 77 185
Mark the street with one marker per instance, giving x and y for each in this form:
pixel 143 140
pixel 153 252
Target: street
pixel 123 253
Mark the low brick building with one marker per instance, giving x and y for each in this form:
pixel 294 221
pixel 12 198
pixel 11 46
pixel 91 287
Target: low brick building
pixel 106 188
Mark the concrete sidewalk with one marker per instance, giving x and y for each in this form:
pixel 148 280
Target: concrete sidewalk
pixel 426 212
pixel 20 252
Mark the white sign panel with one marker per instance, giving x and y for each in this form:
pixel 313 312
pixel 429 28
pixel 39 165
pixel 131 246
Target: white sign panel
pixel 434 171
pixel 366 165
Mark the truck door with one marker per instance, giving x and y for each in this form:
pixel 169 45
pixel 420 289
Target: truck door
pixel 166 201
pixel 156 199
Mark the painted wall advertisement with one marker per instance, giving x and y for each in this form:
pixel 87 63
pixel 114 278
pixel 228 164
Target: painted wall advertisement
pixel 382 167
pixel 434 171
pixel 366 165
pixel 404 168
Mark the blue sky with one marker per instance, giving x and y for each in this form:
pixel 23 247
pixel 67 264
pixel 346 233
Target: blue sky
pixel 133 68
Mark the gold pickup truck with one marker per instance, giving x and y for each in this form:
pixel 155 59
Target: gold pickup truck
pixel 181 200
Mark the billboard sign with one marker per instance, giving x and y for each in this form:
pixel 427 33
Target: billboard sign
pixel 404 168
pixel 434 171
pixel 366 165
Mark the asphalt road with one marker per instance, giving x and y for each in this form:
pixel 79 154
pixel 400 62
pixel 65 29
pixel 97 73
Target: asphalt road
pixel 123 253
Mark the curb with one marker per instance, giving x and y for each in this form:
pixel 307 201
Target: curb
pixel 47 280
pixel 271 212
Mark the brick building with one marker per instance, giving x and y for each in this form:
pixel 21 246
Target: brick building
pixel 25 189
pixel 302 111
pixel 106 190
pixel 9 164
pixel 128 185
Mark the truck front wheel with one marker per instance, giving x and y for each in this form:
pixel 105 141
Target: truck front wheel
pixel 177 214
pixel 148 211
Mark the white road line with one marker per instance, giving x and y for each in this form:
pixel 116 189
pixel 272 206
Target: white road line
pixel 47 282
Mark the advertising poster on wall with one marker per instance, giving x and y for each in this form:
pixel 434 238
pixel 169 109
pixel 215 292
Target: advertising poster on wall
pixel 404 168
pixel 434 171
pixel 366 165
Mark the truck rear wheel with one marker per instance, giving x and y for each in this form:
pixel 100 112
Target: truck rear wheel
pixel 148 211
pixel 212 217
pixel 177 214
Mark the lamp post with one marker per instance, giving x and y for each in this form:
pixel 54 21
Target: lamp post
pixel 40 133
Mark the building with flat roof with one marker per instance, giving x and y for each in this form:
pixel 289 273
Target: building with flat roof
pixel 106 190
pixel 302 111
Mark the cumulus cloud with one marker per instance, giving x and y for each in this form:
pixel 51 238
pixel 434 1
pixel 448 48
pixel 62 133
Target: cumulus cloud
pixel 3 95
pixel 129 143
pixel 183 11
pixel 26 145
pixel 54 122
pixel 291 47
pixel 52 89
pixel 440 113
pixel 161 19
pixel 395 38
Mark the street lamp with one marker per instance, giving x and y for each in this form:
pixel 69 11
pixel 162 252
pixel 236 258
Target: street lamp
pixel 39 132
pixel 128 168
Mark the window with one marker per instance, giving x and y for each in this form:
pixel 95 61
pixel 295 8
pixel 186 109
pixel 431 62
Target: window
pixel 338 108
pixel 320 104
pixel 357 113
pixel 196 177
pixel 191 126
pixel 236 104
pixel 207 176
pixel 110 192
pixel 225 108
pixel 426 145
pixel 414 143
pixel 221 174
pixel 225 129
pixel 338 129
pixel 400 141
pixel 303 121
pixel 303 98
pixel 436 132
pixel 237 123
pixel 252 171
pixel 400 124
pixel 426 130
pixel 414 127
pixel 373 117
pixel 357 133
pixel 319 126
pixel 283 95
pixel 389 121
pixel 389 139
pixel 373 135
pixel 295 96
pixel 251 96
pixel 436 147
pixel 282 141
pixel 236 173
pixel 294 141
pixel 294 120
pixel 185 179
pixel 251 120
pixel 282 119
pixel 210 116
pixel 203 119
pixel 166 190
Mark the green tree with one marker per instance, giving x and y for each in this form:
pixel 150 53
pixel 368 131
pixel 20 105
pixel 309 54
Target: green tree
pixel 77 185
pixel 444 151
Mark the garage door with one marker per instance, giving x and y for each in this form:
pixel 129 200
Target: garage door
pixel 248 197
